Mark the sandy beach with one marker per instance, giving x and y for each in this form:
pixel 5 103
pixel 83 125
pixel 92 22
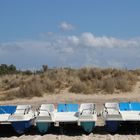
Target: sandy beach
pixel 73 132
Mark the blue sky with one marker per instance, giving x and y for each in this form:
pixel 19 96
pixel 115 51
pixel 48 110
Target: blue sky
pixel 71 33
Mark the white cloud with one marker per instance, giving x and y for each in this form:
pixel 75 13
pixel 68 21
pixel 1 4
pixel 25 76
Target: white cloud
pixel 66 26
pixel 73 50
pixel 88 39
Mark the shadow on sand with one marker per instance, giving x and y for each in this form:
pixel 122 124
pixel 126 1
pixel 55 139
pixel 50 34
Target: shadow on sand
pixel 72 130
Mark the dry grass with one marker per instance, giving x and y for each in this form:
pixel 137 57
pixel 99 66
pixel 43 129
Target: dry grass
pixel 84 80
pixel 30 89
pixel 79 87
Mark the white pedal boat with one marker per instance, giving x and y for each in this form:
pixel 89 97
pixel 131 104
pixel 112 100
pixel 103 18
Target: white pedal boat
pixel 84 115
pixel 116 113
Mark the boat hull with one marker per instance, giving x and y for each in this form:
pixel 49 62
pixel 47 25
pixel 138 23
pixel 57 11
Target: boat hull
pixel 21 126
pixel 43 127
pixel 112 126
pixel 88 126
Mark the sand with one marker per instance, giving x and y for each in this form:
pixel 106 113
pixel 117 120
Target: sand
pixel 82 137
pixel 72 132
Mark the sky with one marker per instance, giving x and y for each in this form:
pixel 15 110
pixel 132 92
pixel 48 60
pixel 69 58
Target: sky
pixel 70 33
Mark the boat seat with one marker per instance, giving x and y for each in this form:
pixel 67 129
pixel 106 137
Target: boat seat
pixel 44 113
pixel 22 109
pixel 112 105
pixel 112 108
pixel 47 107
pixel 23 106
pixel 112 111
pixel 87 108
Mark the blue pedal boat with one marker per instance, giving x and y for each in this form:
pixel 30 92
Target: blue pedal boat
pixel 115 114
pixel 84 115
pixel 20 117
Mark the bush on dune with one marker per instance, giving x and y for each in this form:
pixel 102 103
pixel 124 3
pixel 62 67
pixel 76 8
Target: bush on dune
pixel 84 80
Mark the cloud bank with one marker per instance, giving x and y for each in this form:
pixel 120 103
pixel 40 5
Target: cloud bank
pixel 90 40
pixel 85 49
